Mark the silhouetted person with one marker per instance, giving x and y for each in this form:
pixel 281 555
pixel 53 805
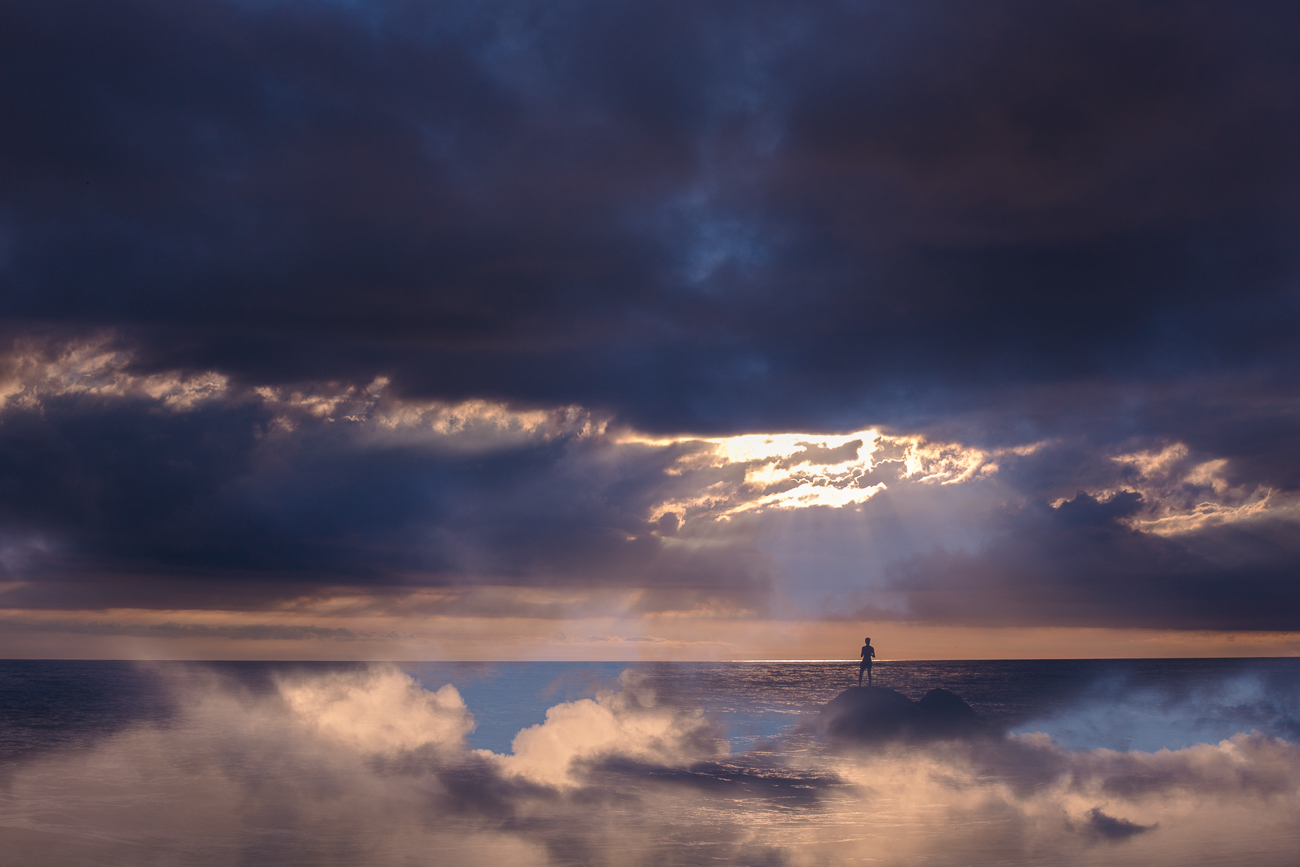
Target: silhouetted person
pixel 867 653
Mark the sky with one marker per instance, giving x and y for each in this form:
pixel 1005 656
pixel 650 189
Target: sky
pixel 674 330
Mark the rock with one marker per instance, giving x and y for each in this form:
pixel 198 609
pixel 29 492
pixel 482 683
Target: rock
pixel 950 716
pixel 873 714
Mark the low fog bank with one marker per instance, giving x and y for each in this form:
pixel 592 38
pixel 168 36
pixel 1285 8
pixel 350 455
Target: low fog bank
pixel 363 766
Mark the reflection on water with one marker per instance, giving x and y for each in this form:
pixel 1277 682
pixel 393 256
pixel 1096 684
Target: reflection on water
pixel 690 763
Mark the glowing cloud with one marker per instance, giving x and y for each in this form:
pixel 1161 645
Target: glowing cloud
pixel 335 767
pixel 379 709
pixel 627 723
pixel 756 472
pixel 35 372
pixel 1184 497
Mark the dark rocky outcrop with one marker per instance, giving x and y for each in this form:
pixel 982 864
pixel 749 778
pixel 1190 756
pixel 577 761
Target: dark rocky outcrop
pixel 872 714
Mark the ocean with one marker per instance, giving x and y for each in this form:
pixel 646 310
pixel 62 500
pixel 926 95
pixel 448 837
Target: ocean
pixel 1094 761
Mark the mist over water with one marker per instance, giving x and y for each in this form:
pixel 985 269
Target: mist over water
pixel 1117 762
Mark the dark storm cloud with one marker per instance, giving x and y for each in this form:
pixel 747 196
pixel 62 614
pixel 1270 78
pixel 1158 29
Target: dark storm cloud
pixel 995 223
pixel 1149 538
pixel 698 215
pixel 112 500
pixel 212 496
pixel 1081 564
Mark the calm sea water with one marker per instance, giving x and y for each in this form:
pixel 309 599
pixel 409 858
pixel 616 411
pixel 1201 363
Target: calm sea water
pixel 1138 762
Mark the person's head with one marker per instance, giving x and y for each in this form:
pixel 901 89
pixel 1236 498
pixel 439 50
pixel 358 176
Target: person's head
pixel 866 640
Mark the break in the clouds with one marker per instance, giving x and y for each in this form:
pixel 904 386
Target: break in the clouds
pixel 187 491
pixel 947 313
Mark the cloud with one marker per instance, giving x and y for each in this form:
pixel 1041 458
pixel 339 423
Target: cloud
pixel 778 217
pixel 1128 709
pixel 758 472
pixel 362 764
pixel 1081 563
pixel 257 497
pixel 379 711
pixel 1112 828
pixel 625 724
pixel 505 294
pixel 95 366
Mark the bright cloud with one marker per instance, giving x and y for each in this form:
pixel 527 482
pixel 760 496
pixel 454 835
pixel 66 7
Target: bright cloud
pixel 756 472
pixel 341 485
pixel 733 475
pixel 627 723
pixel 379 710
pixel 330 769
pixel 34 373
pixel 1183 496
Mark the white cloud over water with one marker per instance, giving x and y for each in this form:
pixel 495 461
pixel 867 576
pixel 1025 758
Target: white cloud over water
pixel 365 767
pixel 378 710
pixel 626 724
